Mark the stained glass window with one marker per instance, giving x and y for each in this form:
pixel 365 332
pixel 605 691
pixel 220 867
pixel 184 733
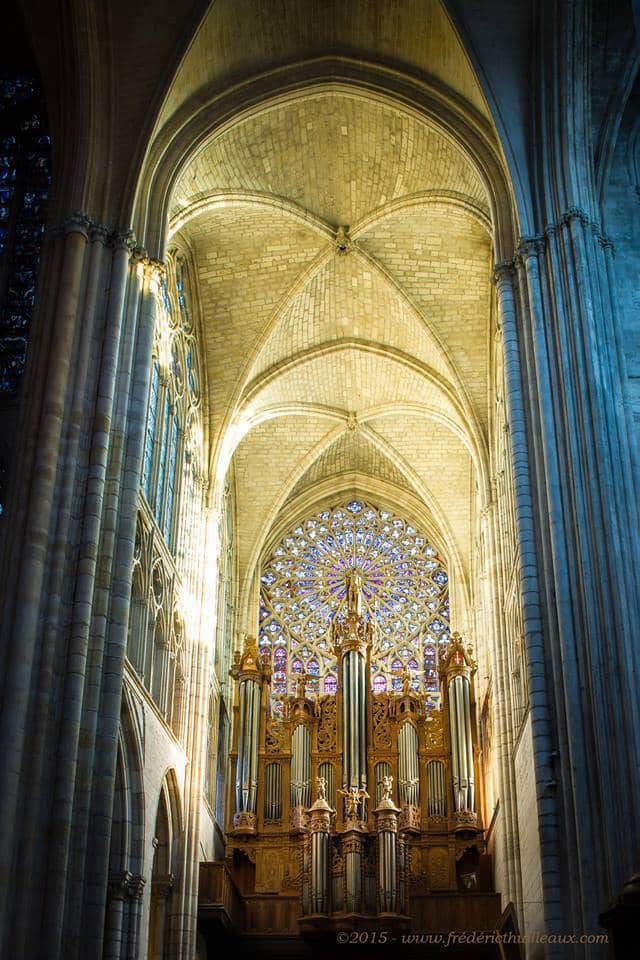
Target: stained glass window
pixel 173 455
pixel 25 155
pixel 162 467
pixel 405 592
pixel 151 428
pixel 171 482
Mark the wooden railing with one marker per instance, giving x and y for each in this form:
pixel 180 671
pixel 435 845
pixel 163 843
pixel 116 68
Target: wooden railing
pixel 219 900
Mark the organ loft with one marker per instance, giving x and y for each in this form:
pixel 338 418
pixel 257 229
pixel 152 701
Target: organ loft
pixel 353 809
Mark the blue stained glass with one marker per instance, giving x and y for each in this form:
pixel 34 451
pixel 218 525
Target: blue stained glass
pixel 162 467
pixel 330 684
pixel 151 429
pixel 171 483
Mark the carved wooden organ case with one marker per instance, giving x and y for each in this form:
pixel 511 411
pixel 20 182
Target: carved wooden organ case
pixel 355 804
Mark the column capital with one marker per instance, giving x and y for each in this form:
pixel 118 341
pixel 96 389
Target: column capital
pixel 162 886
pixel 123 239
pixel 98 233
pixel 502 272
pixel 529 247
pixel 77 223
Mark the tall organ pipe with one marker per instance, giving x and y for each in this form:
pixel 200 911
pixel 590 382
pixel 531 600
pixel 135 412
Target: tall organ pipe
pixel 408 764
pixel 248 671
pixel 248 733
pixel 273 791
pixel 301 767
pixel 354 714
pixel 437 792
pixel 461 743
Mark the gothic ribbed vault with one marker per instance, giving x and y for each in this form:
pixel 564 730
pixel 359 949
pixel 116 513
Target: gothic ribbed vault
pixel 342 250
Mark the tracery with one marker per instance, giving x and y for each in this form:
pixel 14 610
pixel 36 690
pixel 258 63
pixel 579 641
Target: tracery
pixel 404 592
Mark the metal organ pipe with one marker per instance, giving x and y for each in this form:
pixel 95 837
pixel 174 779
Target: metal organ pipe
pixel 408 764
pixel 273 791
pixel 354 713
pixel 362 720
pixel 437 792
pixel 461 743
pixel 319 877
pixel 301 767
pixel 248 734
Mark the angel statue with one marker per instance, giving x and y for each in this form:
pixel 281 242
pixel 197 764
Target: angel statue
pixel 354 798
pixel 321 785
pixel 387 787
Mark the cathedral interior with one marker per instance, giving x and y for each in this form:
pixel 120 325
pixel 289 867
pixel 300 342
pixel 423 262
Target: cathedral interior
pixel 319 539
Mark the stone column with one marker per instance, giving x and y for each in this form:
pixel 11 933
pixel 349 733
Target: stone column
pixel 510 304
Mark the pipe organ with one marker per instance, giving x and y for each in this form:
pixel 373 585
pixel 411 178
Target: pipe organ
pixel 353 804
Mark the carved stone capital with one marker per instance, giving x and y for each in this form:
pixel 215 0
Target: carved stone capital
pixel 529 247
pixel 161 887
pixel 503 272
pixel 126 886
pixel 139 254
pixel 123 239
pixel 117 886
pixel 135 886
pixel 98 233
pixel 77 223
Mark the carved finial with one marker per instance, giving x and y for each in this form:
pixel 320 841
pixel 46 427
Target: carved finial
pixel 343 240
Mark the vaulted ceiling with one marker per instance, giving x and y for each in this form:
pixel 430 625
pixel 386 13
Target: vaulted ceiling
pixel 356 356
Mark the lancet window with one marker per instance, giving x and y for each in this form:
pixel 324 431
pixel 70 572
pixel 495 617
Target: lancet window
pixel 168 544
pixel 405 593
pixel 173 442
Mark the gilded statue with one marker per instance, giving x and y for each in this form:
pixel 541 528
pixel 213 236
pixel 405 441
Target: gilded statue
pixel 354 798
pixel 353 579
